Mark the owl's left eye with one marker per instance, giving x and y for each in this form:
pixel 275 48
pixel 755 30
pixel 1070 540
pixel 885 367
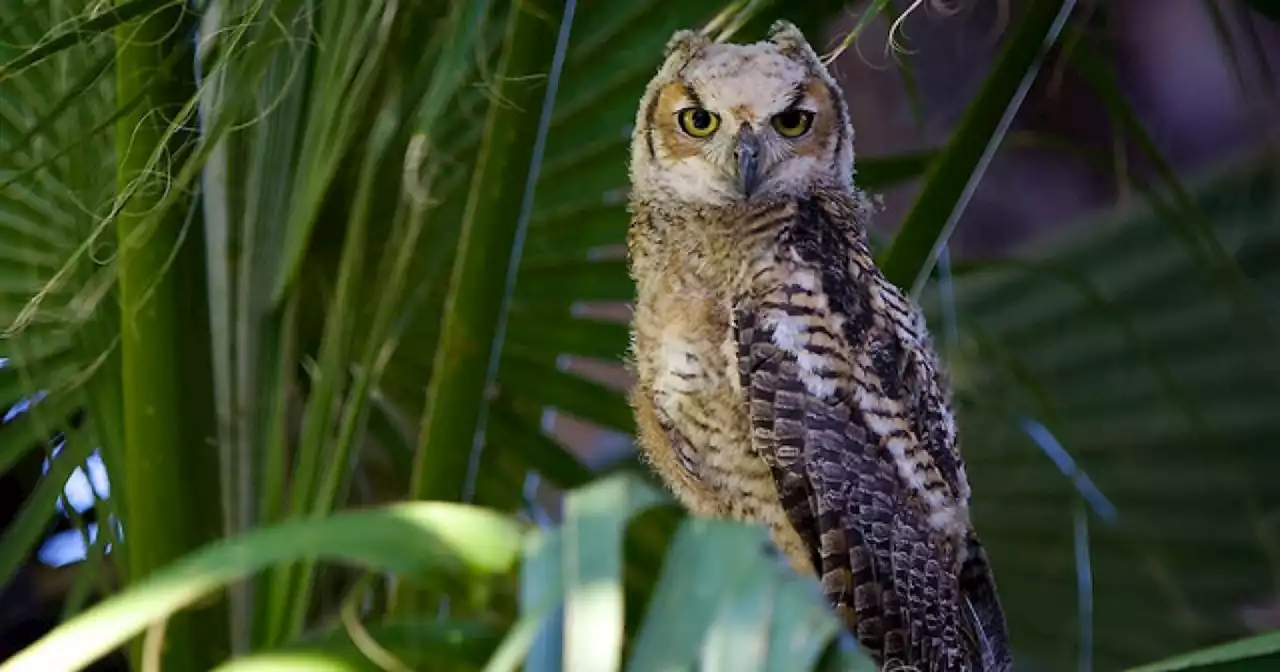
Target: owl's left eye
pixel 698 122
pixel 793 123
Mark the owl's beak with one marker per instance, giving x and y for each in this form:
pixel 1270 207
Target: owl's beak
pixel 748 155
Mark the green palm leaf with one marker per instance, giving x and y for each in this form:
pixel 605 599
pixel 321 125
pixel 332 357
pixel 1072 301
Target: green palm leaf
pixel 359 176
pixel 1143 373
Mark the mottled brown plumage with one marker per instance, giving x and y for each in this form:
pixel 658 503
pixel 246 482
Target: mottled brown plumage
pixel 781 378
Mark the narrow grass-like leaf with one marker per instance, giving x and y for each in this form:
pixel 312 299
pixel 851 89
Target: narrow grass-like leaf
pixel 82 29
pixel 247 192
pixel 344 81
pixel 477 288
pixel 953 177
pixel 315 455
pixel 434 541
pixel 460 41
pixel 1253 654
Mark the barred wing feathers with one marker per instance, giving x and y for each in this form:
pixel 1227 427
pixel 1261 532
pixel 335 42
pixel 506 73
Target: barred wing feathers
pixel 848 411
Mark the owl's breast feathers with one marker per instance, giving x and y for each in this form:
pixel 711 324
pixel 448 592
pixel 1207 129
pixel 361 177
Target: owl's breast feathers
pixel 833 412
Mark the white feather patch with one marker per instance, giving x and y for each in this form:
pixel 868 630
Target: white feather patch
pixel 810 364
pixel 679 372
pixel 791 333
pixel 729 351
pixel 942 513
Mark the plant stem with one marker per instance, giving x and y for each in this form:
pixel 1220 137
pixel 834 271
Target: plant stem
pixel 170 482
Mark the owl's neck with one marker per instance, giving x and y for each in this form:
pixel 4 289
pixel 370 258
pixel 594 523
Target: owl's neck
pixel 699 246
pixel 714 247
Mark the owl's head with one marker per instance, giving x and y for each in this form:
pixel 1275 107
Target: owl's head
pixel 726 123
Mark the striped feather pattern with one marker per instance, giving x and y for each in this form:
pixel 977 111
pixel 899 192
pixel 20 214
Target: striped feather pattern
pixel 846 409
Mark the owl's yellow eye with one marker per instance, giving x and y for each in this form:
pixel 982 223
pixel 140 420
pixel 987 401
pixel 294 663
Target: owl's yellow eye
pixel 793 123
pixel 698 122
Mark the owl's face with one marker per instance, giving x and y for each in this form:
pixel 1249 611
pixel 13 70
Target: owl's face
pixel 726 123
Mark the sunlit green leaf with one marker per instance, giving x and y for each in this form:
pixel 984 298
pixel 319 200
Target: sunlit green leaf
pixel 428 541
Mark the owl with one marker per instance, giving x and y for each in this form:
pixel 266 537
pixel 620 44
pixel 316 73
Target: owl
pixel 780 378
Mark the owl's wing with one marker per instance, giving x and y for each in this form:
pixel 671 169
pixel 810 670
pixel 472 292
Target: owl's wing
pixel 890 582
pixel 925 398
pixel 813 361
pixel 986 626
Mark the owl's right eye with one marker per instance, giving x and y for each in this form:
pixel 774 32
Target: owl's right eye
pixel 698 122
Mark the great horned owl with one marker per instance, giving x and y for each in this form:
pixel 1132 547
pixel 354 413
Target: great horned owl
pixel 781 378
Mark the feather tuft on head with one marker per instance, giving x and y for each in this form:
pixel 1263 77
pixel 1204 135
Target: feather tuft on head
pixel 686 43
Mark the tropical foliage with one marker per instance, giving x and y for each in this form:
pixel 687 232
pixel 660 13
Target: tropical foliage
pixel 283 263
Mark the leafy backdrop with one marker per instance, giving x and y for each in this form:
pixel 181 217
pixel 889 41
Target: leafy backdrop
pixel 282 262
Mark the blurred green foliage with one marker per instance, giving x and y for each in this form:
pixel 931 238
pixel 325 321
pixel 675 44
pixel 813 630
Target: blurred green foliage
pixel 347 192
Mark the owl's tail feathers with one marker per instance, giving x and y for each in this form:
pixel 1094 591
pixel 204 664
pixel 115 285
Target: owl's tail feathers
pixel 984 619
pixel 852 559
pixel 905 598
pixel 929 595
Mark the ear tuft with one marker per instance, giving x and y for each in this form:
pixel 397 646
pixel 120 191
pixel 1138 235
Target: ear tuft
pixel 787 36
pixel 687 42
